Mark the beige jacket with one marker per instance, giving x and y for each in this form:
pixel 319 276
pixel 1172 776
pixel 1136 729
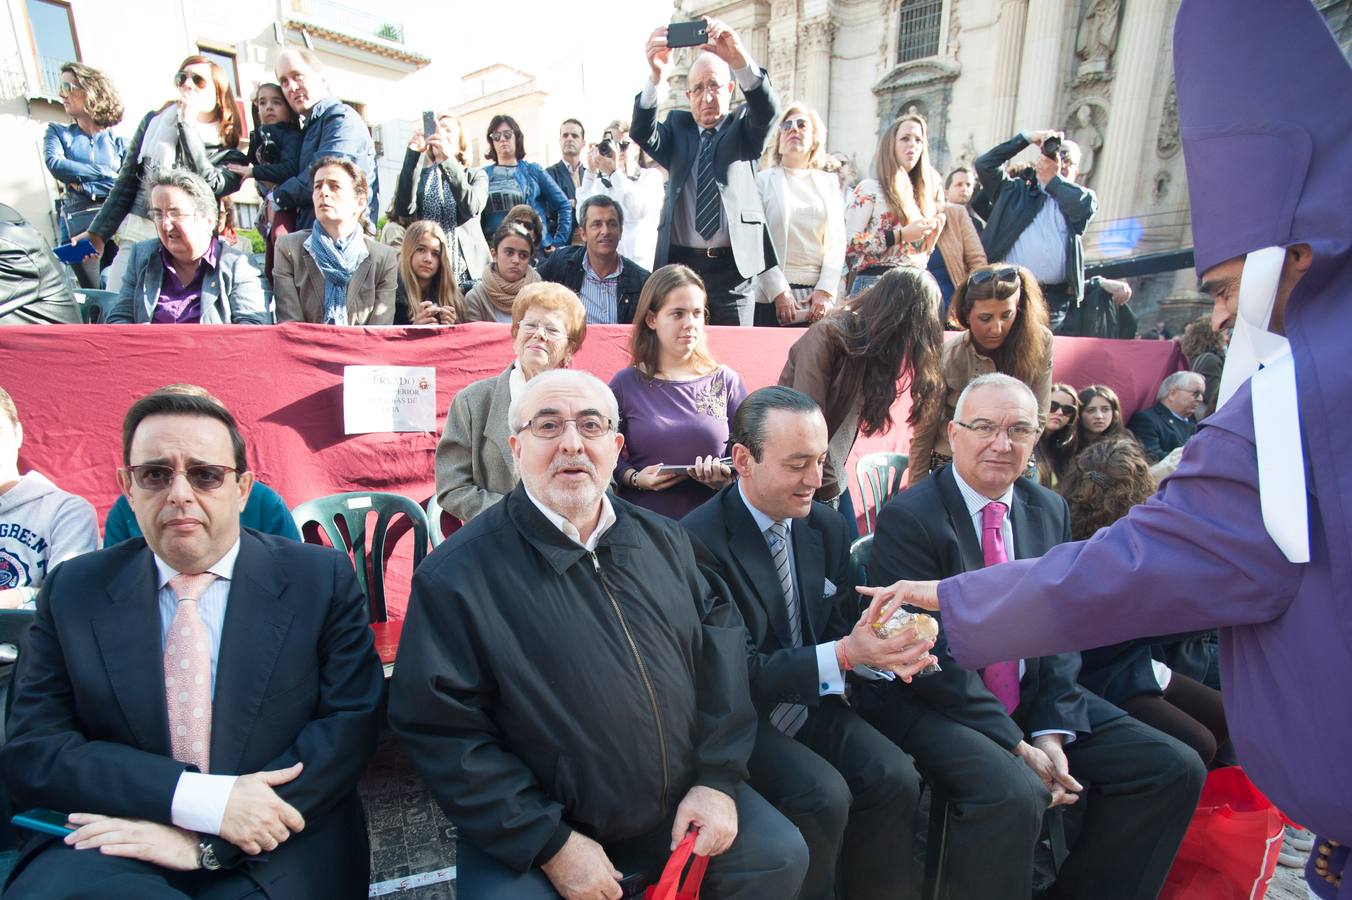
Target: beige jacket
pixel 961 363
pixel 959 244
pixel 298 286
pixel 475 468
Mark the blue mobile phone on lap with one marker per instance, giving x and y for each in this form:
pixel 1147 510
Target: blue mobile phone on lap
pixel 44 821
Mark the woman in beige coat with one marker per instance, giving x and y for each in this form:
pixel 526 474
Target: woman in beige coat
pixel 474 462
pixel 959 252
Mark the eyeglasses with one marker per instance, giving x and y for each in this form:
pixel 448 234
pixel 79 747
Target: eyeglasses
pixel 201 477
pixel 548 332
pixel 549 426
pixel 1019 432
pixel 1002 275
pixel 1198 395
pixel 1066 409
pixel 182 78
pixel 790 124
pixel 171 215
pixel 505 134
pixel 708 87
pixel 65 89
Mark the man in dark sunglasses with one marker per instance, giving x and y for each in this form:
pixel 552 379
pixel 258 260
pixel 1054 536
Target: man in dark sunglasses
pixel 199 702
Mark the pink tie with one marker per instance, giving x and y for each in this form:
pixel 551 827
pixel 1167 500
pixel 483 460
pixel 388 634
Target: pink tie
pixel 1003 677
pixel 187 674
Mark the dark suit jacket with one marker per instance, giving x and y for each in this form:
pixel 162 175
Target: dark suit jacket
pixel 564 179
pixel 674 144
pixel 729 545
pixel 1160 431
pixel 564 266
pixel 297 679
pixel 925 533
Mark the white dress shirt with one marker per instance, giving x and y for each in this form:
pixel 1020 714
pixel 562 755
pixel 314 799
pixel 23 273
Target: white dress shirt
pixel 1041 248
pixel 569 530
pixel 199 800
pixel 976 502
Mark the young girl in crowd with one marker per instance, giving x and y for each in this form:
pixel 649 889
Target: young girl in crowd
pixel 1100 416
pixel 274 157
pixel 428 292
pixel 1057 445
pixel 512 248
pixel 676 401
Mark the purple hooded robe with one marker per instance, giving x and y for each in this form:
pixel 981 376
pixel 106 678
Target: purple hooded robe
pixel 1265 107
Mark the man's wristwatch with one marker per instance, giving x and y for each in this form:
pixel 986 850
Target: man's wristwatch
pixel 206 856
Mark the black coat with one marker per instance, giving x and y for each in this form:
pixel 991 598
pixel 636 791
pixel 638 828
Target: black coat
pixel 33 289
pixel 1160 431
pixel 564 179
pixel 925 533
pixel 730 548
pixel 541 688
pixel 564 266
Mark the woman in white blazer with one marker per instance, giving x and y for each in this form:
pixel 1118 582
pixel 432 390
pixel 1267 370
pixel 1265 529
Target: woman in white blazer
pixel 805 216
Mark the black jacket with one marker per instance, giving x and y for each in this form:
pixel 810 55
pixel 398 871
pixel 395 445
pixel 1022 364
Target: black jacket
pixel 1160 431
pixel 33 289
pixel 541 688
pixel 730 548
pixel 564 266
pixel 1015 203
pixel 564 179
pixel 925 533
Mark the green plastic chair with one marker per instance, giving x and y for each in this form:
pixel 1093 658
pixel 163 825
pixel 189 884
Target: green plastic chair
pixel 92 303
pixel 880 476
pixel 352 510
pixel 440 523
pixel 860 553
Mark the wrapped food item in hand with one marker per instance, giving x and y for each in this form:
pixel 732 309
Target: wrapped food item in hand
pixel 926 629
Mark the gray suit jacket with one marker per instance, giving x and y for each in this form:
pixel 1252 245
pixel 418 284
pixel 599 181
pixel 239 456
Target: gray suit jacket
pixel 231 293
pixel 298 286
pixel 475 468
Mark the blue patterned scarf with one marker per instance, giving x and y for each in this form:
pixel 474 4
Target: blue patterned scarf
pixel 337 260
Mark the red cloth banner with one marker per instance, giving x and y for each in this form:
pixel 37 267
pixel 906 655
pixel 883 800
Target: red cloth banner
pixel 284 383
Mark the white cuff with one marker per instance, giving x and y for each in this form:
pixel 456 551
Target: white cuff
pixel 200 800
pixel 829 679
pixel 1070 735
pixel 748 76
pixel 647 98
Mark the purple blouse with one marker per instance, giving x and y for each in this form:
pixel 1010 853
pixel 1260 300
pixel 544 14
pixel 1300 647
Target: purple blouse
pixel 672 422
pixel 180 303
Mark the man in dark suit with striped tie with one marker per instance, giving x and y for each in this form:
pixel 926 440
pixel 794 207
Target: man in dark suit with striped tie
pixel 712 220
pixel 785 559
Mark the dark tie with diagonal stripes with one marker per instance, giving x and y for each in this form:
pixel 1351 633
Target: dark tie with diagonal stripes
pixel 787 717
pixel 707 202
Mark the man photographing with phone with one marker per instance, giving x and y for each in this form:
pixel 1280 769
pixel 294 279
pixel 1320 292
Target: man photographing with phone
pixel 712 220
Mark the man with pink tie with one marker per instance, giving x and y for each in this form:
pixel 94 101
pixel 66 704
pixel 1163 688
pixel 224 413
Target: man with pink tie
pixel 1139 785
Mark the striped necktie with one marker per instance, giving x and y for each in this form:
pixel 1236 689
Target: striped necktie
pixel 787 717
pixel 708 205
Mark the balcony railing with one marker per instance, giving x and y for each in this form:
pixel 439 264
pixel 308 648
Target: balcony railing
pixel 353 21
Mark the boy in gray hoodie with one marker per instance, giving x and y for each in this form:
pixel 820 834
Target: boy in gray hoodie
pixel 40 524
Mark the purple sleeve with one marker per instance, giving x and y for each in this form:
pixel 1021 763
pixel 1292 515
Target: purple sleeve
pixel 736 394
pixel 1195 556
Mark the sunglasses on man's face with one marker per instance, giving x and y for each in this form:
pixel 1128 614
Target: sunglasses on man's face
pixel 1001 275
pixel 155 477
pixel 183 78
pixel 1065 409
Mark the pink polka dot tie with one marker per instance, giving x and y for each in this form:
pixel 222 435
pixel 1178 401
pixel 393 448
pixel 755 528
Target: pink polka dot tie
pixel 1001 678
pixel 187 674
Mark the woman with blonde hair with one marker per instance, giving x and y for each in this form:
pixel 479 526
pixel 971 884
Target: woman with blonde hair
pixel 895 219
pixel 805 219
pixel 1005 321
pixel 438 184
pixel 676 401
pixel 428 292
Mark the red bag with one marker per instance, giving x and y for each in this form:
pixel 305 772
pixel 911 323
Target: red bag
pixel 1230 850
pixel 670 886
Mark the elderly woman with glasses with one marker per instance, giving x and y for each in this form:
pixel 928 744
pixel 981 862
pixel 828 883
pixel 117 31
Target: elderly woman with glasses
pixel 474 462
pixel 805 216
pixel 187 275
pixel 1005 318
pixel 200 131
pixel 512 180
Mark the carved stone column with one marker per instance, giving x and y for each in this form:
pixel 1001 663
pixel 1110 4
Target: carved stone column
pixel 1040 68
pixel 815 46
pixel 1008 52
pixel 1119 175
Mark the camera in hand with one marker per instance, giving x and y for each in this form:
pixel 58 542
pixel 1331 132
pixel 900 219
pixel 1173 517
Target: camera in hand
pixel 1051 147
pixel 606 148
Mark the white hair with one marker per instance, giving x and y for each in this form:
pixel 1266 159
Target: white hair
pixel 1173 380
pixel 562 378
pixel 996 379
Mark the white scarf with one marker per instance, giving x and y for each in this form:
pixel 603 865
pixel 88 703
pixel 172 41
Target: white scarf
pixel 159 144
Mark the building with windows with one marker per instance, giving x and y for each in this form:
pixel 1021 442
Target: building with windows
pixel 141 44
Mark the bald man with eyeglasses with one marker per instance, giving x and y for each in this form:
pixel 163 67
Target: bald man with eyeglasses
pixel 199 703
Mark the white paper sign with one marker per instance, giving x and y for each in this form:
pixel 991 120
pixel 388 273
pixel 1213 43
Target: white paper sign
pixel 389 398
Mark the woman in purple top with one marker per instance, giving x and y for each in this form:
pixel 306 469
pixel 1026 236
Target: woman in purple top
pixel 675 400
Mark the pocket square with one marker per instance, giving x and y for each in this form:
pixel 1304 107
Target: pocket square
pixel 828 589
